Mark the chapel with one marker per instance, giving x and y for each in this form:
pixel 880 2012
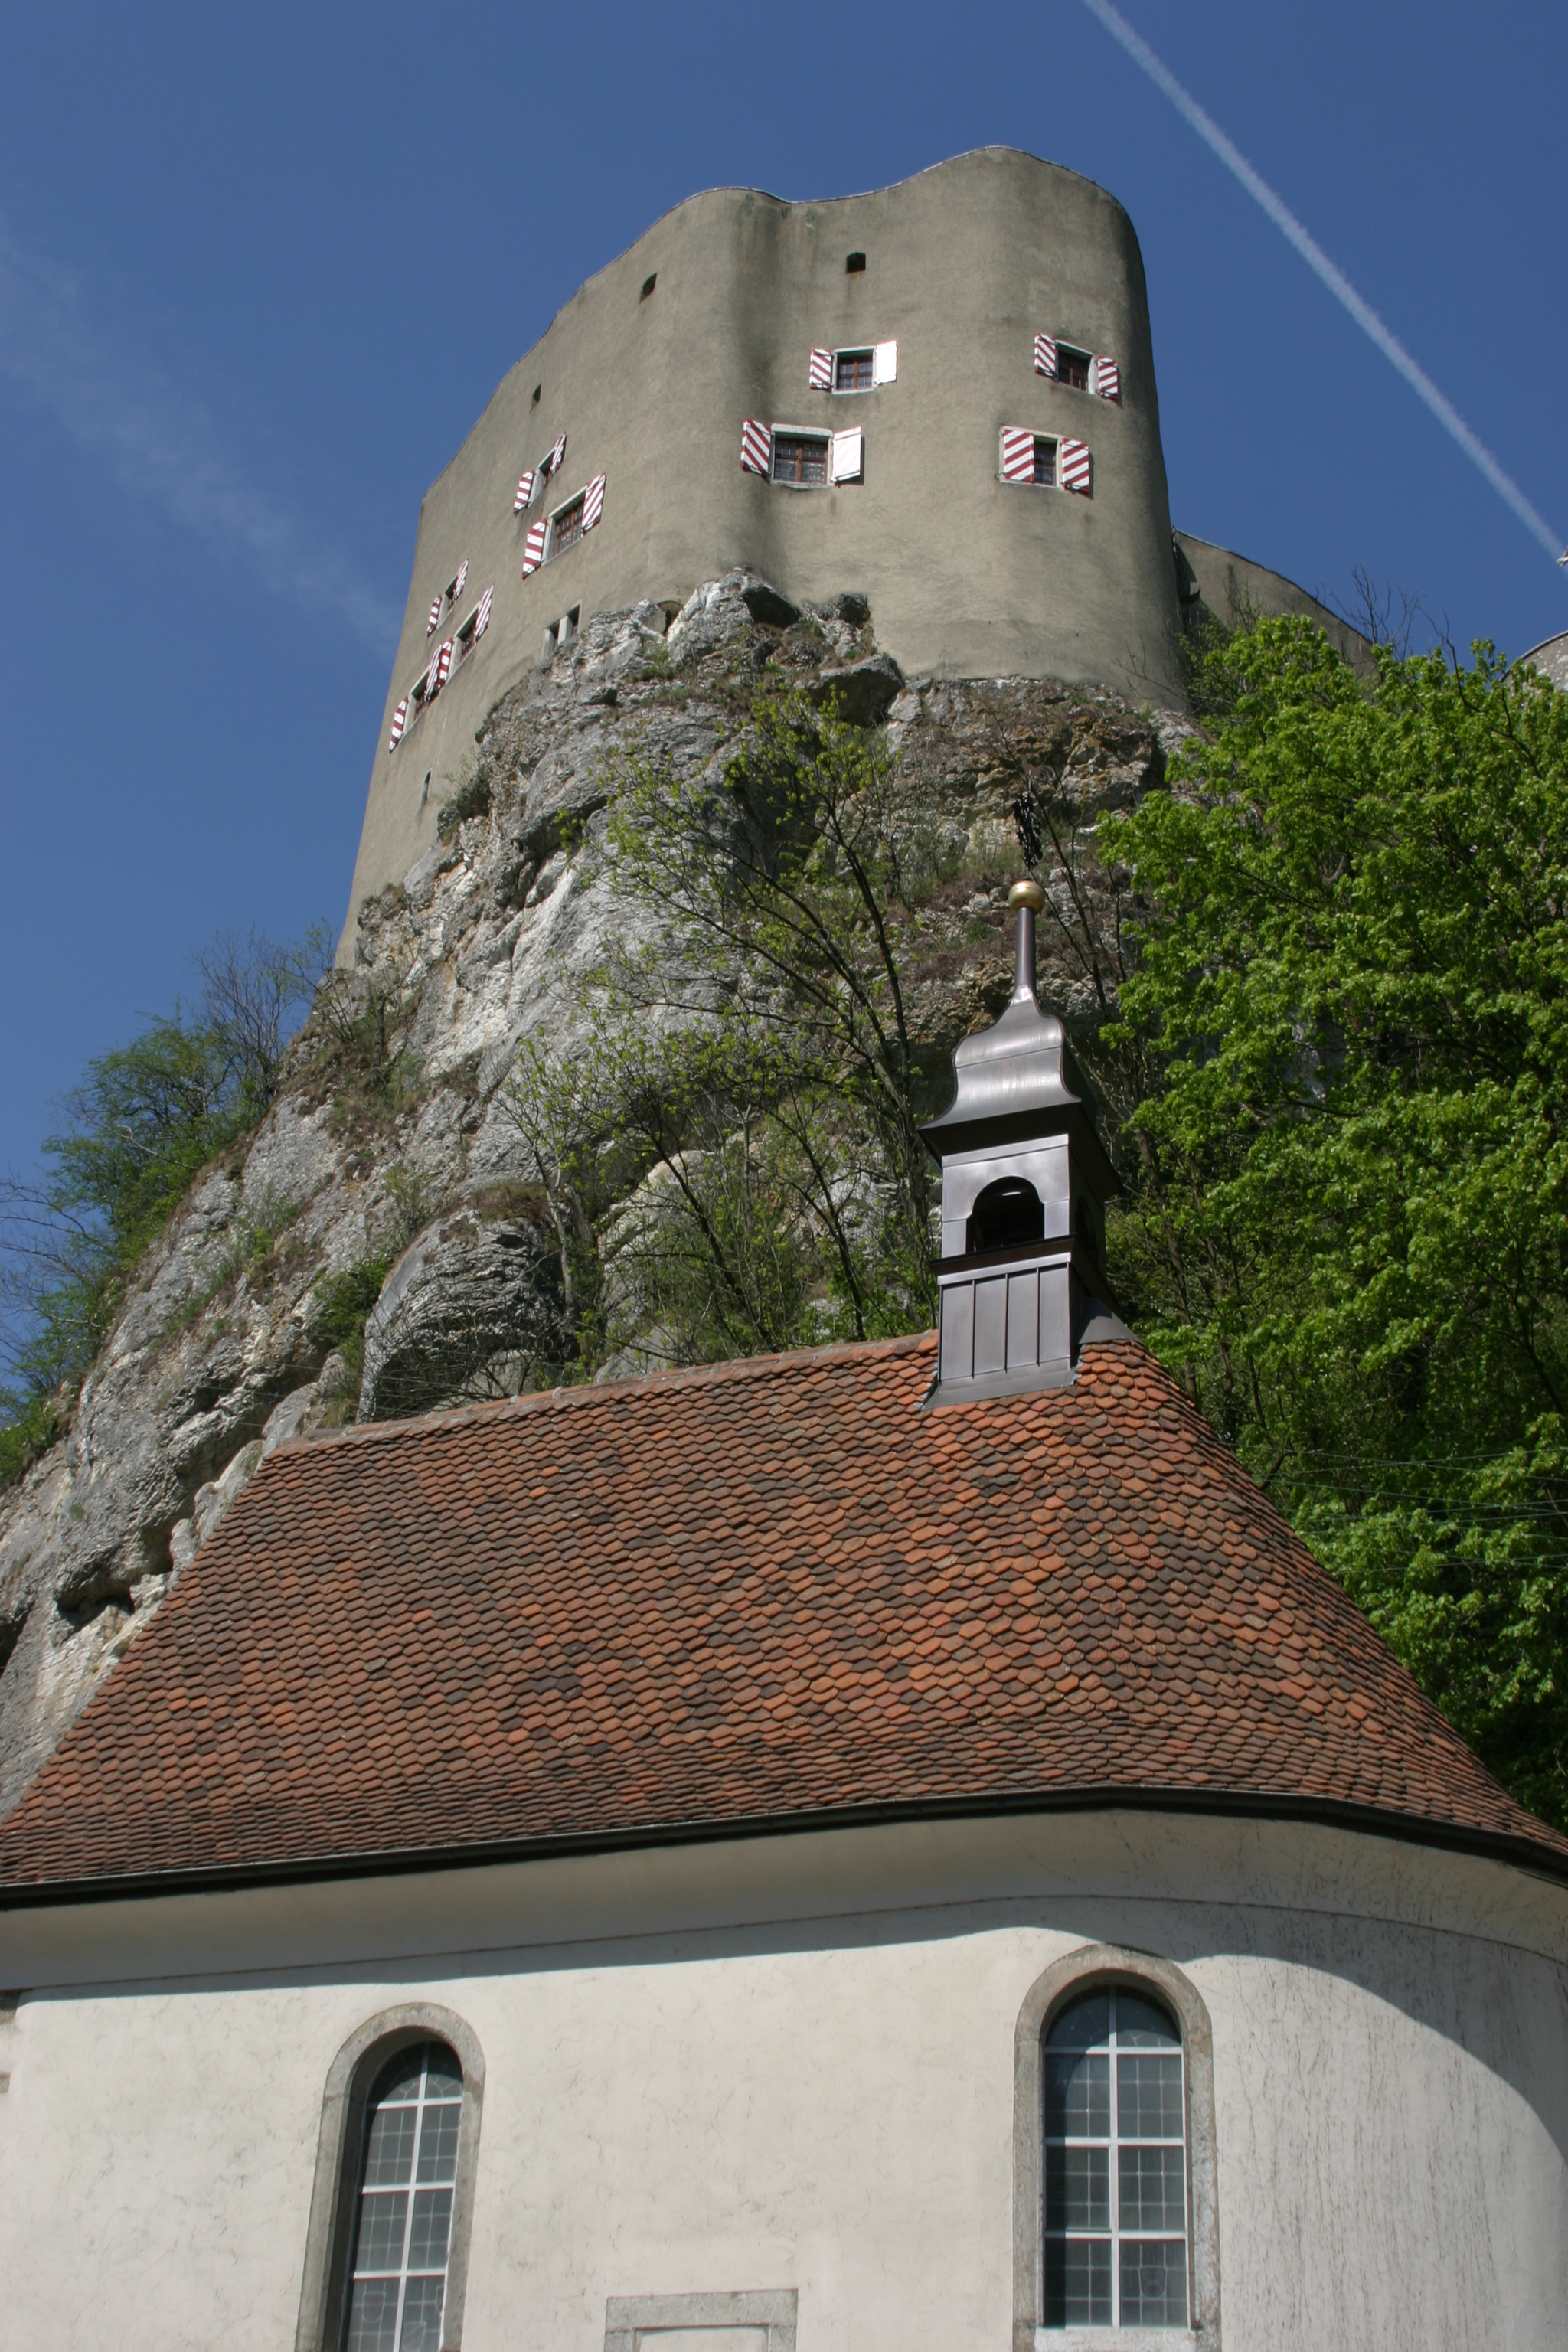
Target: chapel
pixel 886 1847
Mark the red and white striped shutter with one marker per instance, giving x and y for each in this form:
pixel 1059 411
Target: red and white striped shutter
pixel 593 501
pixel 1046 355
pixel 756 447
pixel 820 378
pixel 1107 378
pixel 482 617
pixel 1017 454
pixel 885 364
pixel 442 666
pixel 458 583
pixel 552 464
pixel 534 546
pixel 430 686
pixel 399 721
pixel 1076 466
pixel 848 462
pixel 524 490
pixel 432 616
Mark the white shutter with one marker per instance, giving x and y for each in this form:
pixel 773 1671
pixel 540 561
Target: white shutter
pixel 482 617
pixel 848 458
pixel 885 364
pixel 459 582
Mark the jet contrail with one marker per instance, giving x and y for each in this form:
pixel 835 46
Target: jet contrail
pixel 1338 284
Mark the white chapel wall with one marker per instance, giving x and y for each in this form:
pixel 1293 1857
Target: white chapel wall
pixel 793 2068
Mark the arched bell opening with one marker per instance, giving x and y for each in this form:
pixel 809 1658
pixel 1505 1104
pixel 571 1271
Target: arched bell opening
pixel 1009 1214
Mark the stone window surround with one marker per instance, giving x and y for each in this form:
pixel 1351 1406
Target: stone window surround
pixel 332 2197
pixel 628 2318
pixel 1064 1979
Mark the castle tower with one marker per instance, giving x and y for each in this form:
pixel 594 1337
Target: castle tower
pixel 941 395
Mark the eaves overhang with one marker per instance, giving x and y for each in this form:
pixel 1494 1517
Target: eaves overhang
pixel 1537 1860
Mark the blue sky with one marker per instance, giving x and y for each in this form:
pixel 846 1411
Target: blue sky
pixel 260 269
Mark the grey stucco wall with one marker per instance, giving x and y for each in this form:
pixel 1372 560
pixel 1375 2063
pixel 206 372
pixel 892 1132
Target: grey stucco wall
pixel 965 263
pixel 1232 585
pixel 1551 658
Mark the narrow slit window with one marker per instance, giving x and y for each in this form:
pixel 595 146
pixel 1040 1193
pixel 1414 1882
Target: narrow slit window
pixel 647 286
pixel 403 2224
pixel 1115 2251
pixel 800 458
pixel 854 263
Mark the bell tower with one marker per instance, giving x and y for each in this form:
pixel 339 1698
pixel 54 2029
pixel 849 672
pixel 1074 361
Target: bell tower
pixel 1024 1180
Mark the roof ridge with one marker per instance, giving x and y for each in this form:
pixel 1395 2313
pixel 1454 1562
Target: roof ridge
pixel 579 1393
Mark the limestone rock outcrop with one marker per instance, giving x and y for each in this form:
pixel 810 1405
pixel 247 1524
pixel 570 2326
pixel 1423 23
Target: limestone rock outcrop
pixel 236 1335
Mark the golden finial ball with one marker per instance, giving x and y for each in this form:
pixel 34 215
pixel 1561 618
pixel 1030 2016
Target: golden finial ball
pixel 1026 894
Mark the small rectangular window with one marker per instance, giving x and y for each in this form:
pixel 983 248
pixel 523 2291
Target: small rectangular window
pixel 1072 367
pixel 852 370
pixel 801 458
pixel 566 528
pixel 1044 461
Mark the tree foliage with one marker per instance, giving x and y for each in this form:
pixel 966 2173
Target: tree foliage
pixel 755 1083
pixel 1348 1227
pixel 145 1117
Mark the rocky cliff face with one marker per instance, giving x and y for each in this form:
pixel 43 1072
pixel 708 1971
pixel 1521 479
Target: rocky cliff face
pixel 404 1187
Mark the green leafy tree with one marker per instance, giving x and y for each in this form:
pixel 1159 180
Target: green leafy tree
pixel 1348 1222
pixel 734 1163
pixel 145 1118
pixel 784 892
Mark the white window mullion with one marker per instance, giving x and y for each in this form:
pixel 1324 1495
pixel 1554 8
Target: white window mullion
pixel 1115 2162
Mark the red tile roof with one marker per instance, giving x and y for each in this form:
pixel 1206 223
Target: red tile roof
pixel 775 1591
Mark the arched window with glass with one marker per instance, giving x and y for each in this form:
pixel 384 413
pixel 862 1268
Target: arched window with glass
pixel 1115 2149
pixel 396 2285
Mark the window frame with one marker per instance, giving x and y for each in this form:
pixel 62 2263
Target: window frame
pixel 576 503
pixel 866 352
pixel 1094 1966
pixel 334 2197
pixel 821 435
pixel 1054 441
pixel 1077 352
